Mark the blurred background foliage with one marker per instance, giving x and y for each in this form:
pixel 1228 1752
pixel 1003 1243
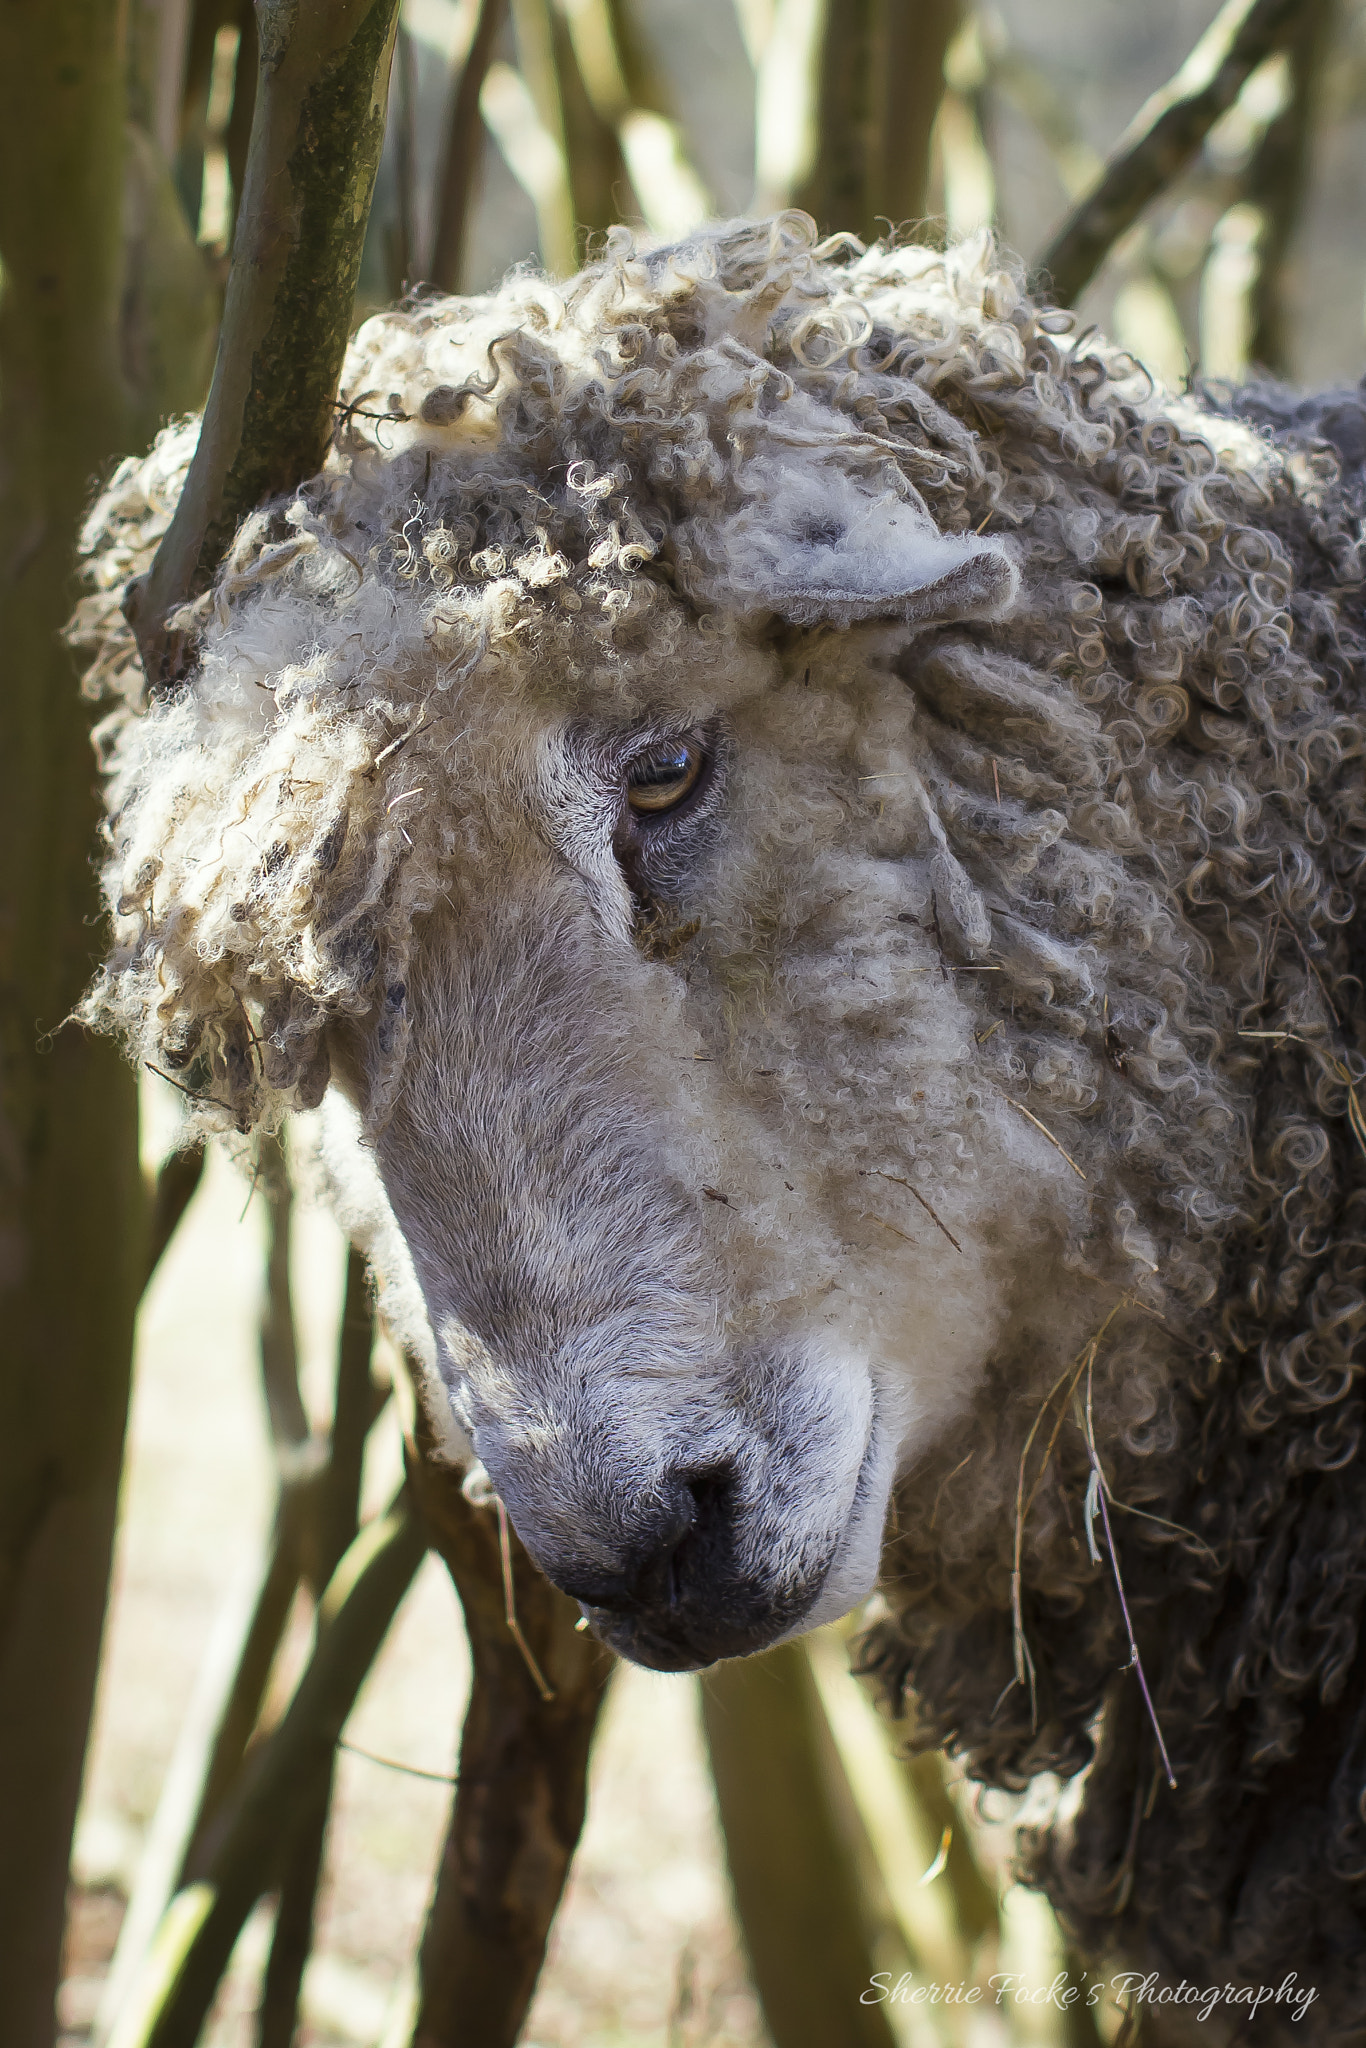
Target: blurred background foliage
pixel 930 114
pixel 264 1550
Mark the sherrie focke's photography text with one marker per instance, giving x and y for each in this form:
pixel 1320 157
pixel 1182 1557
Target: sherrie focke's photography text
pixel 1125 1988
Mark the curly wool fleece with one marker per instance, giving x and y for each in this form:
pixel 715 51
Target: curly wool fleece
pixel 1115 760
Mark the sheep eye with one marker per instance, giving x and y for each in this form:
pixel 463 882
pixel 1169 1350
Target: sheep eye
pixel 661 780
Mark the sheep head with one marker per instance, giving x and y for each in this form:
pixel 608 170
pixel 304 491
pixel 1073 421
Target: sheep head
pixel 603 905
pixel 567 780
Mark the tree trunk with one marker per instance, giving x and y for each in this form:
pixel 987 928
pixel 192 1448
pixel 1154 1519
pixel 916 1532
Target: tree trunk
pixel 106 317
pixel 879 78
pixel 522 1781
pixel 317 130
pixel 71 1210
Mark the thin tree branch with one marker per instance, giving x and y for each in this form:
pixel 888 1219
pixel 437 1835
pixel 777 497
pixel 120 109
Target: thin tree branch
pixel 291 1440
pixel 592 102
pixel 172 1999
pixel 335 1518
pixel 241 1705
pixel 1163 138
pixel 553 196
pixel 401 237
pixel 460 158
pixel 206 18
pixel 317 131
pixel 237 140
pixel 315 1520
pixel 1276 182
pixel 278 2018
pixel 235 1664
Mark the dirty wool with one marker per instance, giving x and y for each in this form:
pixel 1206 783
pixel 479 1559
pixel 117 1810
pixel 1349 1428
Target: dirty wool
pixel 990 1013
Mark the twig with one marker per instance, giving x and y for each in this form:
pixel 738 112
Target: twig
pixel 194 1094
pixel 1163 137
pixel 1024 1662
pixel 1048 1134
pixel 251 1191
pixel 939 1494
pixel 1160 1522
pixel 252 1035
pixel 397 746
pixel 333 1526
pixel 1102 1489
pixel 1323 990
pixel 1268 956
pixel 546 1691
pixel 937 933
pixel 932 1213
pixel 1356 1116
pixel 392 1764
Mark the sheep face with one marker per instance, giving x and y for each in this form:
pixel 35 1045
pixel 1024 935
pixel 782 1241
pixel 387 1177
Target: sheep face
pixel 707 1219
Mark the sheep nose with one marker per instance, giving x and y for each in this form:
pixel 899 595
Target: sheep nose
pixel 691 1516
pixel 650 1580
pixel 683 1603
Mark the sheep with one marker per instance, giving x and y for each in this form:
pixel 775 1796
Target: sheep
pixel 802 820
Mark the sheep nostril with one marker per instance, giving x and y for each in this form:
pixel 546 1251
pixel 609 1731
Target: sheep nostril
pixel 699 1530
pixel 654 1582
pixel 711 1492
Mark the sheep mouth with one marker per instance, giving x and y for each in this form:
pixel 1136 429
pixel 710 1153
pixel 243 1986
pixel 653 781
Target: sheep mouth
pixel 708 1619
pixel 693 1639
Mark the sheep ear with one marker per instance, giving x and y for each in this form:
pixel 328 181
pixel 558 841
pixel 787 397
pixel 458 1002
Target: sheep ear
pixel 813 545
pixel 924 577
